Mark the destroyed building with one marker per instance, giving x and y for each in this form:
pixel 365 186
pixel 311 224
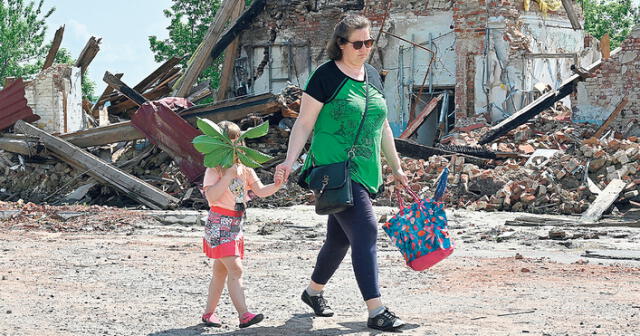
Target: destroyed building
pixel 489 57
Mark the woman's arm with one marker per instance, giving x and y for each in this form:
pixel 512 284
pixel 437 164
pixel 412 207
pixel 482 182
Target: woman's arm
pixel 309 110
pixel 390 153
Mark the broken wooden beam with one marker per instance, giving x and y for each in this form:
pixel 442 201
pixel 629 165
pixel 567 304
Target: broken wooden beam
pixel 118 85
pixel 148 81
pixel 426 111
pixel 604 200
pixel 55 46
pixel 243 22
pixel 229 58
pixel 129 185
pixel 95 109
pixel 128 104
pixel 199 60
pixel 540 221
pixel 417 151
pixel 612 117
pixel 88 53
pixel 20 144
pixel 571 13
pixel 231 109
pixel 536 107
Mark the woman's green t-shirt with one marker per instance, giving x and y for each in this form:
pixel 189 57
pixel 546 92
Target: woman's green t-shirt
pixel 335 129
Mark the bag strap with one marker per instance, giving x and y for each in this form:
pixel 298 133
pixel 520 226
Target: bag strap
pixel 415 196
pixel 351 152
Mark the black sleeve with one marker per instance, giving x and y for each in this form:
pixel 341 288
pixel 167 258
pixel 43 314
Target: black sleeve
pixel 315 88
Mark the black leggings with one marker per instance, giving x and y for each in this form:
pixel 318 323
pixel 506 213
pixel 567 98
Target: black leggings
pixel 356 227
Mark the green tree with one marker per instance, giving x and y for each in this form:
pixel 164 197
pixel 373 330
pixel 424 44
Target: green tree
pixel 22 31
pixel 615 17
pixel 190 20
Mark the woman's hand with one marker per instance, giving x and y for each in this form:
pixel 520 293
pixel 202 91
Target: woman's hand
pixel 282 173
pixel 400 178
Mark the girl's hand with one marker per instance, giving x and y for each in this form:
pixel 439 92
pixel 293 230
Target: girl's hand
pixel 278 178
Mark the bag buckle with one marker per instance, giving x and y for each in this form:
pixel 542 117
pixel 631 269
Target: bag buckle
pixel 325 182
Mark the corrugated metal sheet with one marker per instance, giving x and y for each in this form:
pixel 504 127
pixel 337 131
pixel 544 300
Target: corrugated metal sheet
pixel 172 134
pixel 13 105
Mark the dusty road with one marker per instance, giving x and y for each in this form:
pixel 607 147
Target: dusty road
pixel 141 277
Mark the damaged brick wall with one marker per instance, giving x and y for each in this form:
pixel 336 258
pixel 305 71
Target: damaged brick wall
pixel 617 78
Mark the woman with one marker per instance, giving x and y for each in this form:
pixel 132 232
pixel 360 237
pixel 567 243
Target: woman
pixel 332 106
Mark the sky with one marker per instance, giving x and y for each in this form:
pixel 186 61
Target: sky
pixel 123 25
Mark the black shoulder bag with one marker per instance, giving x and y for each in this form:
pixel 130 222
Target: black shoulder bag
pixel 331 183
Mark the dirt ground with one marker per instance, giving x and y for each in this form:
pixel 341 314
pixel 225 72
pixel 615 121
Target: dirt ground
pixel 132 275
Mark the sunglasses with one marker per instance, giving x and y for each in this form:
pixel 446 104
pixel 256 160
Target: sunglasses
pixel 357 45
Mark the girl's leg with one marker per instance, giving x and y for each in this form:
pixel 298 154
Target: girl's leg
pixel 216 286
pixel 233 264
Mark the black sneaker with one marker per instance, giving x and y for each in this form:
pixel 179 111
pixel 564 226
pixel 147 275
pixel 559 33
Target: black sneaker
pixel 318 303
pixel 385 321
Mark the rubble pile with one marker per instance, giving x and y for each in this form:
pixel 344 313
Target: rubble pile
pixel 558 185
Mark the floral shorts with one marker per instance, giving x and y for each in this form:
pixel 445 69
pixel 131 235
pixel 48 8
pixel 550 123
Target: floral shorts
pixel 223 233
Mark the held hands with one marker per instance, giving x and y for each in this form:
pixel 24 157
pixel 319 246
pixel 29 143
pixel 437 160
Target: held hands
pixel 282 173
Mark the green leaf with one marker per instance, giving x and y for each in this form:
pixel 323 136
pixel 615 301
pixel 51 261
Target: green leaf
pixel 254 154
pixel 227 162
pixel 255 132
pixel 212 129
pixel 217 157
pixel 207 144
pixel 247 161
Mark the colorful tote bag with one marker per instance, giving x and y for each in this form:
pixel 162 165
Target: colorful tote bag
pixel 420 231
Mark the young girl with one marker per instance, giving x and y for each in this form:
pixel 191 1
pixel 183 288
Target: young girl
pixel 226 192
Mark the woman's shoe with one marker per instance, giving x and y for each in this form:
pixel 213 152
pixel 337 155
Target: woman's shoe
pixel 211 320
pixel 248 319
pixel 385 321
pixel 317 303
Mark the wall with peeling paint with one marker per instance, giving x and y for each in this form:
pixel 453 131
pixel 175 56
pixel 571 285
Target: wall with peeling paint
pixel 56 96
pixel 617 77
pixel 480 46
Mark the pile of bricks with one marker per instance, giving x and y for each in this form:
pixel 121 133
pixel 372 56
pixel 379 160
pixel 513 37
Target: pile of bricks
pixel 558 186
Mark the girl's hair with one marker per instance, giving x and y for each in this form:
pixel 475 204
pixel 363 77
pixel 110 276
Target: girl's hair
pixel 341 33
pixel 230 129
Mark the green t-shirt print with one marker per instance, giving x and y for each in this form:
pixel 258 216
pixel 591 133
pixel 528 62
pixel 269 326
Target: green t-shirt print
pixel 338 121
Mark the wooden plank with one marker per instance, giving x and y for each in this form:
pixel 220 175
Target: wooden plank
pixel 417 151
pixel 95 109
pixel 613 254
pixel 158 73
pixel 155 94
pixel 611 117
pixel 117 84
pixel 55 46
pixel 128 184
pixel 20 144
pixel 604 200
pixel 571 13
pixel 229 59
pixel 413 126
pixel 88 53
pixel 198 61
pixel 231 109
pixel 243 22
pixel 605 46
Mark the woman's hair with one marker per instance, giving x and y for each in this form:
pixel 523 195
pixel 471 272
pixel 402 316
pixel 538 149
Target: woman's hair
pixel 230 129
pixel 341 33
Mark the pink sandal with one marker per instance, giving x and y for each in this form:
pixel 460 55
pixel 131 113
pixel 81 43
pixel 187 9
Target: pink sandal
pixel 248 319
pixel 211 320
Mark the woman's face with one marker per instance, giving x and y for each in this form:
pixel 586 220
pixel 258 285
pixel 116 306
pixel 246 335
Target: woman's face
pixel 358 38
